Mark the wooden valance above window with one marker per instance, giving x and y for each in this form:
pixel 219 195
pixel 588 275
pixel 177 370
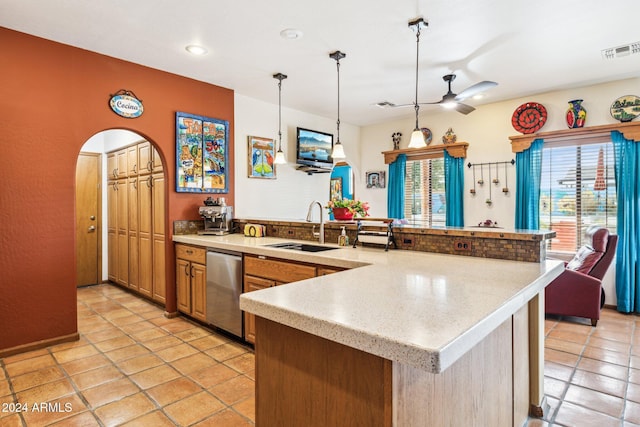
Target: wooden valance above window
pixel 630 130
pixel 457 149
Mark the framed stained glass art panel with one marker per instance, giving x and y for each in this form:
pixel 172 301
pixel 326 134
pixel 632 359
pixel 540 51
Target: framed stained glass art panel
pixel 202 145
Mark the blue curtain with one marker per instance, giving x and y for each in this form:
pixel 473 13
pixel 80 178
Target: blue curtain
pixel 528 171
pixel 454 190
pixel 627 162
pixel 395 194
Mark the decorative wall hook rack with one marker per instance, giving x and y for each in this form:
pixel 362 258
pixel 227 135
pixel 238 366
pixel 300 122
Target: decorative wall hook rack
pixel 470 165
pixel 494 180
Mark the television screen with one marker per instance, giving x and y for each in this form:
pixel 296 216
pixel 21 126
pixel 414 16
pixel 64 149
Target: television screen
pixel 313 148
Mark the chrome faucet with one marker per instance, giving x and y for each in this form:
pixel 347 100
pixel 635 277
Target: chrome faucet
pixel 320 235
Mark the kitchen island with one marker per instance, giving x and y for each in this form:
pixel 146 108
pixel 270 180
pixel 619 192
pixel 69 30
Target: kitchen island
pixel 406 338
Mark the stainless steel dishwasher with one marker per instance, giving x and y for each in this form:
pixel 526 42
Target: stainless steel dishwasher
pixel 224 286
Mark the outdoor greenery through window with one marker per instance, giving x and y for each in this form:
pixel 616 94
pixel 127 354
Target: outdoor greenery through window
pixel 577 190
pixel 424 198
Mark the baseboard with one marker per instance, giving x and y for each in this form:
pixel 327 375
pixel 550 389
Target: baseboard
pixel 38 345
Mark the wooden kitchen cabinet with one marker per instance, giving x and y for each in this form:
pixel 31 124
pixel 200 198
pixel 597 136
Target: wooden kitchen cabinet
pixel 252 283
pixel 262 272
pixel 191 281
pixel 136 220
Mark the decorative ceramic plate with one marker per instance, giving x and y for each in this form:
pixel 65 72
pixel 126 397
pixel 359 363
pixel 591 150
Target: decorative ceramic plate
pixel 625 108
pixel 428 136
pixel 529 117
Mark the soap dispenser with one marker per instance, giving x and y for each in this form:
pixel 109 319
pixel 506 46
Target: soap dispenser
pixel 343 239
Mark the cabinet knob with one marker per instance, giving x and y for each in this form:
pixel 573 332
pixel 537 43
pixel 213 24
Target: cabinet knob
pixel 91 229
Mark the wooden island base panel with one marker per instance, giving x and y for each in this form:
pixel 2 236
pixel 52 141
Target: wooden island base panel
pixel 306 380
pixel 302 379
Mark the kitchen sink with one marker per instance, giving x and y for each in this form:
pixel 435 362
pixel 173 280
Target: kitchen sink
pixel 305 247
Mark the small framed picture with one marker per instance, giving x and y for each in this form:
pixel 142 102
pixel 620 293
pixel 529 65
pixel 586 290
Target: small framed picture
pixel 261 154
pixel 375 179
pixel 335 189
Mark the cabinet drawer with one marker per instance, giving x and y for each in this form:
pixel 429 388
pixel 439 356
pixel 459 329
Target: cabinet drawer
pixel 191 253
pixel 282 271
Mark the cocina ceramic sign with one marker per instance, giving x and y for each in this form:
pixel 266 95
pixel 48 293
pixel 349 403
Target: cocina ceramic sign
pixel 124 103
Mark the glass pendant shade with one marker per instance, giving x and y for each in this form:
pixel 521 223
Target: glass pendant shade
pixel 338 151
pixel 280 158
pixel 417 139
pixel 338 148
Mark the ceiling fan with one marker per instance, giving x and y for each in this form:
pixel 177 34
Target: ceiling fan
pixel 450 99
pixel 454 101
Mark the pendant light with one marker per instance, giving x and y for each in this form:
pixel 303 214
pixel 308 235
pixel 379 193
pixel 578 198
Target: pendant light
pixel 280 159
pixel 417 138
pixel 338 148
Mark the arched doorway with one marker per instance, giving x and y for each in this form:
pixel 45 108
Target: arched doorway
pixel 131 224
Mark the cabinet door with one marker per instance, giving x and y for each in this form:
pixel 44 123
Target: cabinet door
pixel 132 218
pixel 112 230
pixel 132 160
pixel 183 285
pixel 199 292
pixel 123 231
pixel 112 166
pixel 252 283
pixel 121 161
pixel 158 237
pixel 156 161
pixel 144 236
pixel 112 242
pixel 144 158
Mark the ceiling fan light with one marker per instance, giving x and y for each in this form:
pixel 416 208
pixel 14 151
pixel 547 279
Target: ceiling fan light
pixel 338 151
pixel 417 139
pixel 449 105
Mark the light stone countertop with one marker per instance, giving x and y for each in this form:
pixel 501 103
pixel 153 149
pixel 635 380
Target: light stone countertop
pixel 422 309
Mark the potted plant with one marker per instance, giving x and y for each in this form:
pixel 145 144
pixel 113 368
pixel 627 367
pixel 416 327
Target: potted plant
pixel 346 209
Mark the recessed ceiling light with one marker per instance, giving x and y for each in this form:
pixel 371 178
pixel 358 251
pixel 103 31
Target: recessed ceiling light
pixel 291 34
pixel 196 50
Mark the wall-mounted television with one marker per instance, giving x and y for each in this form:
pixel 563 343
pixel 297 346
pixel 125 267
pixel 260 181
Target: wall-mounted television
pixel 313 148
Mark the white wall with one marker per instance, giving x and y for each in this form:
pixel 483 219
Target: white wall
pixel 487 131
pixel 289 195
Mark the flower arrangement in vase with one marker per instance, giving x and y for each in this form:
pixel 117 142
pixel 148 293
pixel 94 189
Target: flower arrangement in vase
pixel 346 209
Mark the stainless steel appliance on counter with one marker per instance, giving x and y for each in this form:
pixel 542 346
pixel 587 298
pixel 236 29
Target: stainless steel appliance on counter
pixel 224 286
pixel 217 219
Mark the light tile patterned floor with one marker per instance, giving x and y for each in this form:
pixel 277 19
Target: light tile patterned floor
pixel 134 367
pixel 592 375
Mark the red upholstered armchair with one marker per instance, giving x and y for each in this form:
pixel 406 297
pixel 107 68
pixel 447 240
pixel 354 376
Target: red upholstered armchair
pixel 578 290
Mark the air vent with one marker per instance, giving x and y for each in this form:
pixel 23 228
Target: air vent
pixel 620 51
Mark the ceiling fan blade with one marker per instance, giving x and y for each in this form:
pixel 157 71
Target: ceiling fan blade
pixel 401 105
pixel 475 89
pixel 463 108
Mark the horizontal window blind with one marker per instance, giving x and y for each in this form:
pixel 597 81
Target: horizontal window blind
pixel 577 190
pixel 425 193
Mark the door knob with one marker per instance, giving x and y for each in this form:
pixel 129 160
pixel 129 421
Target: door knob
pixel 92 229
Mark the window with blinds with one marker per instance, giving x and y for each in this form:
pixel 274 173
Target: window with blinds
pixel 424 196
pixel 577 190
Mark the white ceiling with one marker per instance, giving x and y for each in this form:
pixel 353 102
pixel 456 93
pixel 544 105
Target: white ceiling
pixel 527 47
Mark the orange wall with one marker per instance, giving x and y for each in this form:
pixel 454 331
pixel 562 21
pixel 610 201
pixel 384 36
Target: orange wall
pixel 53 98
